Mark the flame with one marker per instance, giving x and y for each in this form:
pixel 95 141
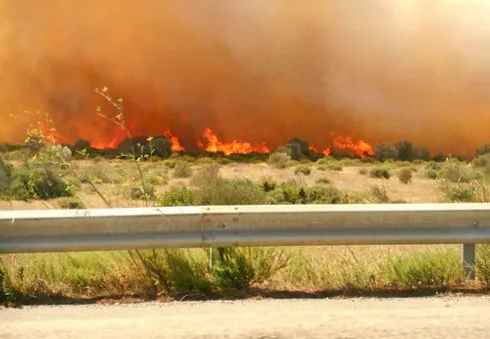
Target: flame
pixel 235 147
pixel 176 146
pixel 52 136
pixel 327 151
pixel 313 148
pixel 119 135
pixel 360 147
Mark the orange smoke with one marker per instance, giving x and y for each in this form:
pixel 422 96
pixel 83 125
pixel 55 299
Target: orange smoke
pixel 252 70
pixel 235 147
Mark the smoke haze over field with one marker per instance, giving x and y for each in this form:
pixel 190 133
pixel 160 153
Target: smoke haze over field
pixel 253 70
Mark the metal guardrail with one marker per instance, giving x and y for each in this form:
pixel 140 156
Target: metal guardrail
pixel 234 226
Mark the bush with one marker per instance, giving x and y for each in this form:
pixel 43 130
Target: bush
pixel 363 171
pixel 432 174
pixel 325 181
pixel 279 160
pixel 71 203
pixel 378 194
pixel 6 176
pixel 456 172
pixel 182 169
pixel 296 194
pixel 380 172
pixel 383 152
pixel 236 191
pixel 142 192
pixel 177 196
pixel 268 184
pixel 475 191
pixel 206 175
pixel 305 170
pixel 36 180
pixel 185 274
pixel 405 175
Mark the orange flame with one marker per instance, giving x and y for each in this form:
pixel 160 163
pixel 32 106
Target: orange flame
pixel 235 147
pixel 327 151
pixel 176 146
pixel 360 147
pixel 119 135
pixel 51 134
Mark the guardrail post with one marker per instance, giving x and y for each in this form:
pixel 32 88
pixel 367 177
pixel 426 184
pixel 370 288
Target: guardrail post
pixel 469 260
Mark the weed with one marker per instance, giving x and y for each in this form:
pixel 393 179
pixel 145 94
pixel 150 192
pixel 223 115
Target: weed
pixel 325 181
pixel 207 175
pixel 363 171
pixel 139 192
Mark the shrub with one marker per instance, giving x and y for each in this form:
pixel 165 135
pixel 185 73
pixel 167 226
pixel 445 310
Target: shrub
pixel 474 191
pixel 378 194
pixel 383 152
pixel 206 175
pixel 177 196
pixel 182 169
pixel 299 148
pixel 71 203
pixel 432 174
pixel 405 150
pixel 363 171
pixel 380 172
pixel 323 180
pixel 36 180
pixel 279 160
pixel 456 172
pixel 334 167
pixel 296 194
pixel 185 273
pixel 236 191
pixel 6 176
pixel 305 170
pixel 142 192
pixel 268 184
pixel 405 175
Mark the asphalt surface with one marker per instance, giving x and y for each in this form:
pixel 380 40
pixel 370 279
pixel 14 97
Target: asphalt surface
pixel 438 317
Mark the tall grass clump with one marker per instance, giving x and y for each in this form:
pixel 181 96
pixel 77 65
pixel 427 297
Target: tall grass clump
pixel 239 268
pixel 483 263
pixel 378 194
pixel 427 269
pixel 235 191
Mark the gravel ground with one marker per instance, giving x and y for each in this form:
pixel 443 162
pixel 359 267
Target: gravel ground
pixel 440 317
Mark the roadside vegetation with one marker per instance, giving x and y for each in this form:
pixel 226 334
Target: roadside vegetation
pixel 145 172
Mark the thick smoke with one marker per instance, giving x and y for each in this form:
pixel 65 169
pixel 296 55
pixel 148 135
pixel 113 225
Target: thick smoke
pixel 253 70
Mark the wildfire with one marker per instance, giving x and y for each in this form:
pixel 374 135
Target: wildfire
pixel 360 147
pixel 119 135
pixel 235 147
pixel 176 146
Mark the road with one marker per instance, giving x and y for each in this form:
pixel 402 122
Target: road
pixel 439 317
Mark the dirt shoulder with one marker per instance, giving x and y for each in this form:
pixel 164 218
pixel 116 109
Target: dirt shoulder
pixel 436 317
